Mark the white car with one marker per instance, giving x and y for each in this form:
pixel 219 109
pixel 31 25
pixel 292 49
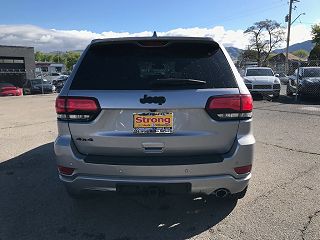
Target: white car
pixel 262 81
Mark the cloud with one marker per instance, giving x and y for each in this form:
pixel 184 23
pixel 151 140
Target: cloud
pixel 53 39
pixel 299 33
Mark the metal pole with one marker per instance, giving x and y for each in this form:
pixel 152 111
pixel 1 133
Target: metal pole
pixel 297 83
pixel 288 37
pixel 41 82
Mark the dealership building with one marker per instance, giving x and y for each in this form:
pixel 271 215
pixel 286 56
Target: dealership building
pixel 16 64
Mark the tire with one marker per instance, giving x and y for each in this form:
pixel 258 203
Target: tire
pixel 276 96
pixel 288 92
pixel 301 96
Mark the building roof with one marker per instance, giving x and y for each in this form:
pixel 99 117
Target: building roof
pixel 282 57
pixel 15 46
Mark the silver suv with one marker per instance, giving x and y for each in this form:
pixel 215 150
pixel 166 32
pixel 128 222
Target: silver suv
pixel 160 114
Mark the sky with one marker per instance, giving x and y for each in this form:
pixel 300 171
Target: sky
pixel 71 25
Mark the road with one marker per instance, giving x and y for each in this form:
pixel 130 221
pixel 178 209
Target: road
pixel 282 200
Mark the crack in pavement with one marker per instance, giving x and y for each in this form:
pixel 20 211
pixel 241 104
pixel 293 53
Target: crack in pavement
pixel 26 125
pixel 305 227
pixel 299 174
pixel 290 149
pixel 285 184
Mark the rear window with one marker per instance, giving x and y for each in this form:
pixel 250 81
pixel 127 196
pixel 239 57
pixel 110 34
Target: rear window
pixel 311 72
pixel 259 72
pixel 132 67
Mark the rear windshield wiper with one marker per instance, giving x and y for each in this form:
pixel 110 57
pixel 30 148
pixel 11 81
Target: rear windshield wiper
pixel 178 81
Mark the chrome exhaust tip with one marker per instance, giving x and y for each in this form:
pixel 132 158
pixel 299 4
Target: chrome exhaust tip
pixel 221 193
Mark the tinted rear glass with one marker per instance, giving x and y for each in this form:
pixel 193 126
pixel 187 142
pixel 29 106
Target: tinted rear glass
pixel 259 72
pixel 311 72
pixel 132 67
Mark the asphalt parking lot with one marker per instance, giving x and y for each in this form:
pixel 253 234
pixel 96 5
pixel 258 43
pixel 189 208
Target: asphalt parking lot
pixel 282 200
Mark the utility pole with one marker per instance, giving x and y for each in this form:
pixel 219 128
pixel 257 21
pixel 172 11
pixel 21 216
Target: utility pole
pixel 288 19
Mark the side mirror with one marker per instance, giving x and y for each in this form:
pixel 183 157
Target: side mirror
pixel 277 75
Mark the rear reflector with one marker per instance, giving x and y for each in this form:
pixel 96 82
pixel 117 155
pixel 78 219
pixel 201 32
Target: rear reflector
pixel 65 170
pixel 243 169
pixel 77 108
pixel 230 107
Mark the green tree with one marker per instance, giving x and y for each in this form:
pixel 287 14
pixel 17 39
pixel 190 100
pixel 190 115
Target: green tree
pixel 247 55
pixel 265 36
pixel 316 34
pixel 42 57
pixel 57 58
pixel 315 53
pixel 301 53
pixel 70 58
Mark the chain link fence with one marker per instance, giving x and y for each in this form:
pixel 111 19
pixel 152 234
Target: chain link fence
pixel 299 80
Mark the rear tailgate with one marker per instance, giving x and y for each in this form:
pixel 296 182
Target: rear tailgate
pixel 120 75
pixel 194 131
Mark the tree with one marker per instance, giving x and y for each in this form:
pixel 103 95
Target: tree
pixel 247 55
pixel 265 36
pixel 315 53
pixel 316 34
pixel 301 53
pixel 43 57
pixel 70 58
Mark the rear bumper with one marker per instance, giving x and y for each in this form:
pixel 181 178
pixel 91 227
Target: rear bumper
pixel 205 184
pixel 204 177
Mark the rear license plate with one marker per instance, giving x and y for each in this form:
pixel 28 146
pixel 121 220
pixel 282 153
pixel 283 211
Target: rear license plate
pixel 153 122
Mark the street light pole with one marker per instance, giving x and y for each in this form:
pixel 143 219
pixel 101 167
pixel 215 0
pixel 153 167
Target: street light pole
pixel 288 37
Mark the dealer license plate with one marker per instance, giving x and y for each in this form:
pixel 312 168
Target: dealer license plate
pixel 153 122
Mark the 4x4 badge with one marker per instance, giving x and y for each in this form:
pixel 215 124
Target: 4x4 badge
pixel 160 100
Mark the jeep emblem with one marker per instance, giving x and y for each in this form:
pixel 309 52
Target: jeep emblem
pixel 159 100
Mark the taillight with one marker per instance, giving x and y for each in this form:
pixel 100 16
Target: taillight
pixel 77 108
pixel 65 170
pixel 243 169
pixel 230 107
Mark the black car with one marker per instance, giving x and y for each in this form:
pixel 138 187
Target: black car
pixel 36 86
pixel 308 80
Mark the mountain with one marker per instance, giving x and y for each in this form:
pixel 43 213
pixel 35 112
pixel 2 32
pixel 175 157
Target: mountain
pixel 234 52
pixel 306 45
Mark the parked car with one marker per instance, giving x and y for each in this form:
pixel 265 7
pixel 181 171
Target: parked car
pixel 59 79
pixel 308 82
pixel 8 89
pixel 284 79
pixel 167 114
pixel 262 81
pixel 59 84
pixel 36 86
pixel 53 76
